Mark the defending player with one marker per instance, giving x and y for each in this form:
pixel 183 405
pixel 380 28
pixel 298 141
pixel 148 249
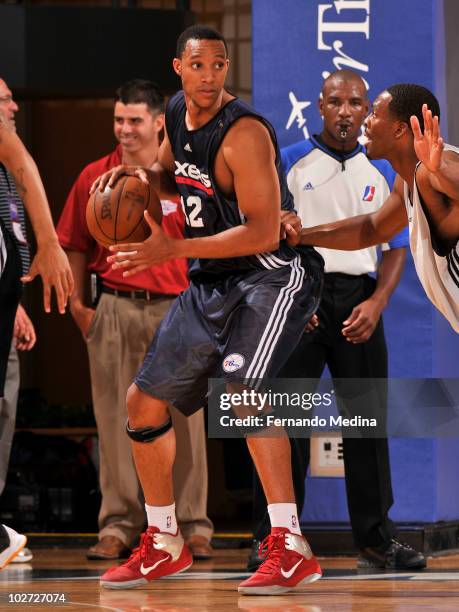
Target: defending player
pixel 404 129
pixel 248 302
pixel 50 262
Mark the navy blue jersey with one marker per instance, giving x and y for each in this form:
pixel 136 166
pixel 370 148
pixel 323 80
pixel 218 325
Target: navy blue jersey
pixel 207 209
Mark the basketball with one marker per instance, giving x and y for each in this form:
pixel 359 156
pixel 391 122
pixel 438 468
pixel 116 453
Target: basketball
pixel 115 215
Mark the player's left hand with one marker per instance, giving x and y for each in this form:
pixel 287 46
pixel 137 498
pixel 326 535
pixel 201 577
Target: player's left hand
pixel 24 331
pixel 312 324
pixel 361 323
pixel 428 146
pixel 138 256
pixel 290 228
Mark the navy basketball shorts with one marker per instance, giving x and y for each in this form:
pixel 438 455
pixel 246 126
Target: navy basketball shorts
pixel 239 327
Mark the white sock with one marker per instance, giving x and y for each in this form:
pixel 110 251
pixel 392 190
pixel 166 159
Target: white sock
pixel 162 517
pixel 284 515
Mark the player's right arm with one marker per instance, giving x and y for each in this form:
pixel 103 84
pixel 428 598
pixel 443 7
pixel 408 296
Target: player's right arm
pixel 50 261
pixel 160 176
pixel 362 231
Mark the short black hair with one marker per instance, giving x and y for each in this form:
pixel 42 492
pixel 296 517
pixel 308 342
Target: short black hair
pixel 344 75
pixel 407 100
pixel 138 91
pixel 198 32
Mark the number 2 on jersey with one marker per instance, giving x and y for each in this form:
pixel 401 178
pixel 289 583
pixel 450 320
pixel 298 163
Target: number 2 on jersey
pixel 192 210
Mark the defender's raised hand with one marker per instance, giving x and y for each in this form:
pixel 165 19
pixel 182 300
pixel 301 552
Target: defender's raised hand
pixel 428 145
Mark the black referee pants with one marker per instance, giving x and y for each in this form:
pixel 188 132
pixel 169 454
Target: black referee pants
pixel 366 460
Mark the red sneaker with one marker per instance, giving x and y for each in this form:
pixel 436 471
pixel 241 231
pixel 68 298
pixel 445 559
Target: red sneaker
pixel 289 564
pixel 159 554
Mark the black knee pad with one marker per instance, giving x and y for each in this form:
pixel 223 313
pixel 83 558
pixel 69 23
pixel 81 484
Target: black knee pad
pixel 148 434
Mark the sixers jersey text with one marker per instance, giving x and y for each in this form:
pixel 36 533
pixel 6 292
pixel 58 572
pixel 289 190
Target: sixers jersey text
pixel 207 210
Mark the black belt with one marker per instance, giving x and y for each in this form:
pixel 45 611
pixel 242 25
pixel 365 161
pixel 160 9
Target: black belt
pixel 135 294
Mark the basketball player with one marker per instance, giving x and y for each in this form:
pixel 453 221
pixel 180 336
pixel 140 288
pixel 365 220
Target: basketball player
pixel 248 302
pixel 50 263
pixel 12 215
pixel 403 128
pixel 118 332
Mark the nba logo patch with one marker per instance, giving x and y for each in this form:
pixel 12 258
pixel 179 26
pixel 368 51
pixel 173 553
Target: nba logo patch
pixel 369 193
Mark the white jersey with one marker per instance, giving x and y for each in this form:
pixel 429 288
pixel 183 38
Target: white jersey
pixel 327 187
pixel 438 275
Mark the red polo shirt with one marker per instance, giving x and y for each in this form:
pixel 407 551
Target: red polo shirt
pixel 169 278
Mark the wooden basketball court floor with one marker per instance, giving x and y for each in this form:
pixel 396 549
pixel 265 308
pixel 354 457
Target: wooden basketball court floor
pixel 212 586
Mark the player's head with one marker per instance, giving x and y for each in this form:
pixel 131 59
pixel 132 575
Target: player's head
pixel 388 126
pixel 7 105
pixel 138 115
pixel 343 104
pixel 202 64
pixel 408 99
pixel 198 32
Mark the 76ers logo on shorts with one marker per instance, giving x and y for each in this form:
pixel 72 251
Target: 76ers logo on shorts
pixel 233 362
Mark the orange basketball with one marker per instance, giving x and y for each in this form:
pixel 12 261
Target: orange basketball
pixel 116 215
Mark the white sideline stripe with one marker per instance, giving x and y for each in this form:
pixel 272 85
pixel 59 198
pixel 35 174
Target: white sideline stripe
pixel 22 577
pixel 90 605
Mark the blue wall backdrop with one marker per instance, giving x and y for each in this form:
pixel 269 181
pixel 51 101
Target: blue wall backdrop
pixel 296 43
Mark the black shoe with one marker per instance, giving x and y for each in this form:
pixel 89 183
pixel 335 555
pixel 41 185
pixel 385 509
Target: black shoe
pixel 254 561
pixel 393 555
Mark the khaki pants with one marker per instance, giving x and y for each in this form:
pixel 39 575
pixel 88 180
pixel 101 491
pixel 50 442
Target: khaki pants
pixel 119 336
